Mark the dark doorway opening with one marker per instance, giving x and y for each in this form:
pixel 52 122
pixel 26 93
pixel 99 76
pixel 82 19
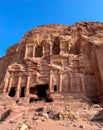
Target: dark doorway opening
pixel 55 88
pixel 38 51
pixel 22 94
pixel 12 92
pixel 96 100
pixel 32 100
pixel 56 46
pixel 33 90
pixel 41 90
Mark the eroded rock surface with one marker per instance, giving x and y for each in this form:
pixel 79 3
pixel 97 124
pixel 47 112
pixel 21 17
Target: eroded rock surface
pixel 58 58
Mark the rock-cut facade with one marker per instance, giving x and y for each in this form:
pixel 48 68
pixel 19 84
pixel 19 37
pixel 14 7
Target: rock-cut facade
pixel 58 58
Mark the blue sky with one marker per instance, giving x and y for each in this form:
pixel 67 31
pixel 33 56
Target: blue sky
pixel 19 16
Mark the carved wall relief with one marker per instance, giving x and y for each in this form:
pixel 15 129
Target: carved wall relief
pixel 63 59
pixel 56 47
pixel 65 83
pixel 24 80
pixel 29 51
pixel 14 82
pixel 46 50
pixel 64 47
pixel 65 62
pixel 76 83
pixel 38 51
pixel 55 80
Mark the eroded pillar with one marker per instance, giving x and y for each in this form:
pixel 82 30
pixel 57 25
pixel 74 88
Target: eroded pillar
pixel 43 51
pixel 61 78
pixel 82 84
pixel 18 87
pixel 27 85
pixel 6 85
pixel 51 81
pixel 34 51
pixel 10 84
pixel 51 48
pixel 26 52
pixel 71 82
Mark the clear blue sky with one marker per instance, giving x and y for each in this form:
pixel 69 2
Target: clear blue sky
pixel 19 16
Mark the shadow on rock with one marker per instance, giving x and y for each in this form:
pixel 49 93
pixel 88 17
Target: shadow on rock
pixel 98 117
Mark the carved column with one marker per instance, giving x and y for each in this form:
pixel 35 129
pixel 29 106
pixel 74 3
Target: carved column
pixel 61 78
pixel 34 51
pixel 18 87
pixel 61 48
pixel 26 52
pixel 51 81
pixel 27 85
pixel 71 82
pixel 6 85
pixel 43 51
pixel 61 45
pixel 51 49
pixel 10 83
pixel 82 84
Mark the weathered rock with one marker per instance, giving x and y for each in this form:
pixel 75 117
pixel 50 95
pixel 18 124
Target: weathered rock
pixel 24 127
pixel 50 57
pixel 82 126
pixel 68 115
pixel 35 118
pixel 96 106
pixel 4 114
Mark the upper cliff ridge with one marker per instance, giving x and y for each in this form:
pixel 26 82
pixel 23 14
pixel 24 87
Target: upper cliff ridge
pixel 93 31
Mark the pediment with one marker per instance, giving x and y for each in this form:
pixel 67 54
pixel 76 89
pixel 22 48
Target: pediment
pixel 16 67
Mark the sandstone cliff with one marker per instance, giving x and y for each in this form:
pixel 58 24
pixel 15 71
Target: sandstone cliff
pixel 81 47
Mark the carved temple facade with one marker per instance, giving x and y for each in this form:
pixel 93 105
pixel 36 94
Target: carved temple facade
pixel 57 58
pixel 47 66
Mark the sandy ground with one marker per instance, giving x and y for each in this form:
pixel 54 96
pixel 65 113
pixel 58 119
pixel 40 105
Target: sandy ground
pixel 26 117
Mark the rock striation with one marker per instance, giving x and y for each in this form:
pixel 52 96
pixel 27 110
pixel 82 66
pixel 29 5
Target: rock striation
pixel 55 58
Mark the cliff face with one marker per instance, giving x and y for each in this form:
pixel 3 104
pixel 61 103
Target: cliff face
pixel 75 51
pixel 6 61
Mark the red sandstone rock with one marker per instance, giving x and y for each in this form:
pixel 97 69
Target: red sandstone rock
pixel 60 58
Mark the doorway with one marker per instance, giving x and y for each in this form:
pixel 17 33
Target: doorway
pixel 12 92
pixel 22 94
pixel 33 90
pixel 41 90
pixel 55 88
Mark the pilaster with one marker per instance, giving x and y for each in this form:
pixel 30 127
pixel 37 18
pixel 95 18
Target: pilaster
pixel 61 78
pixel 18 87
pixel 6 85
pixel 51 81
pixel 10 83
pixel 33 51
pixel 82 84
pixel 27 85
